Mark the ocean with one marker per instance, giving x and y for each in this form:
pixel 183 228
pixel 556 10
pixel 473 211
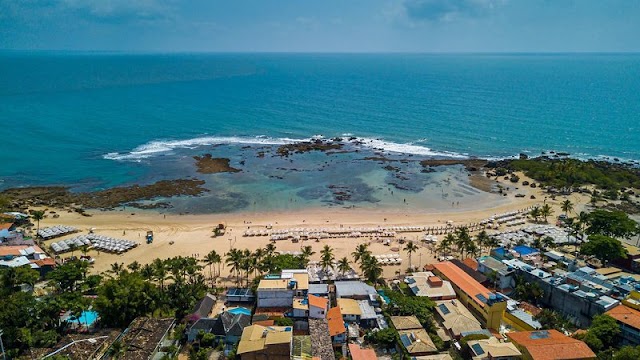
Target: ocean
pixel 97 120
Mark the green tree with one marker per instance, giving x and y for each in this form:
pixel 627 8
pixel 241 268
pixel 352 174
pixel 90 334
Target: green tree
pixel 371 269
pixel 326 257
pixel 567 207
pixel 535 213
pixel 410 248
pixel 343 265
pixel 606 330
pixel 603 248
pixel 307 253
pixel 68 276
pixel 627 353
pixel 37 215
pixel 234 261
pixel 612 223
pixel 550 319
pixel 5 203
pixel 386 338
pixel 463 240
pixel 546 211
pixel 210 259
pixel 483 240
pixel 122 299
pixel 362 251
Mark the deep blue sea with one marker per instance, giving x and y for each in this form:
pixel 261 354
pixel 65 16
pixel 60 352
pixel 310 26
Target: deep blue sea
pixel 96 120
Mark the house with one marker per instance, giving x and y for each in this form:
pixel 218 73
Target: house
pixel 337 330
pixel 357 290
pixel 550 345
pixel 428 285
pixel 441 356
pixel 227 327
pixel 488 307
pixel 145 338
pixel 417 342
pixel 350 310
pixel 499 274
pixel 321 290
pixel 358 353
pixel 471 271
pixel 405 322
pixel 21 255
pixel 318 307
pixel 629 321
pixel 203 307
pixel 259 342
pixel 493 349
pixel 456 319
pixel 279 291
pixel 299 308
pixel 413 336
pixel 368 315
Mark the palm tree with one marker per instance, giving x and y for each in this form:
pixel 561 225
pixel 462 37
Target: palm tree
pixel 134 266
pixel 410 248
pixel 567 207
pixel 37 215
pixel 211 258
pixel 343 265
pixel 371 269
pixel 548 242
pixel 270 249
pixel 462 240
pixel 546 211
pixel 234 260
pixel 147 272
pixel 445 245
pixel 160 272
pixel 535 213
pixel 361 252
pixel 307 252
pixel 116 268
pixel 72 248
pixel 326 257
pixel 483 240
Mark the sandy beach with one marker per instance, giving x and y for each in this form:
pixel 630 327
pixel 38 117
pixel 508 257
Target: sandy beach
pixel 192 235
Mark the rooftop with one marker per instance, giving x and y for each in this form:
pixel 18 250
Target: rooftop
pixel 421 285
pixel 456 318
pixel 417 341
pixel 464 281
pixel 20 250
pixel 346 289
pixel 335 322
pixel 271 284
pixel 318 302
pixel 367 311
pixel 320 289
pixel 257 337
pixel 358 353
pixel 143 336
pixel 493 348
pixel 492 263
pixel 551 345
pixel 349 307
pixel 405 322
pixel 626 315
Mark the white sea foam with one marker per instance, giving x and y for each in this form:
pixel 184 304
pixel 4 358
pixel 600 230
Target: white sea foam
pixel 161 147
pixel 408 148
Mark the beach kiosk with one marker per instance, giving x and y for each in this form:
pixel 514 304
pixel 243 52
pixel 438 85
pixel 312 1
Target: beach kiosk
pixel 149 237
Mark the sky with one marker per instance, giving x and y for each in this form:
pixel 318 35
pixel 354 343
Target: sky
pixel 321 25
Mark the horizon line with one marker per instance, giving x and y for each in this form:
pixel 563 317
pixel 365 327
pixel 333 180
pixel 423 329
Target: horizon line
pixel 177 52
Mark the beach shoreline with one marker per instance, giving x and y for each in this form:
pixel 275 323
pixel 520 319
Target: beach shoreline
pixel 192 234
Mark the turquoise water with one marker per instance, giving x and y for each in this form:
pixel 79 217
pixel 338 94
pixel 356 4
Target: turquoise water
pixel 87 318
pixel 99 120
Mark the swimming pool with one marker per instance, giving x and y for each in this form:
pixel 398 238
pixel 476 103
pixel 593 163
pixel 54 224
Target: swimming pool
pixel 87 318
pixel 240 310
pixel 524 250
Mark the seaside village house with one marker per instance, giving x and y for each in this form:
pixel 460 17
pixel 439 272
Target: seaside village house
pixel 337 330
pixel 428 285
pixel 413 336
pixel 550 345
pixel 487 306
pixel 279 291
pixel 493 349
pixel 266 342
pixel 31 255
pixel 628 318
pixel 457 320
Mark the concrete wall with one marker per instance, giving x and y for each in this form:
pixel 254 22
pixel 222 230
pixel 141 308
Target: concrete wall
pixel 317 313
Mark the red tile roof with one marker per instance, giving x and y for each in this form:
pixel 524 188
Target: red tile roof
pixel 5 226
pixel 470 262
pixel 336 324
pixel 358 353
pixel 318 302
pixel 551 345
pixel 15 249
pixel 463 280
pixel 626 315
